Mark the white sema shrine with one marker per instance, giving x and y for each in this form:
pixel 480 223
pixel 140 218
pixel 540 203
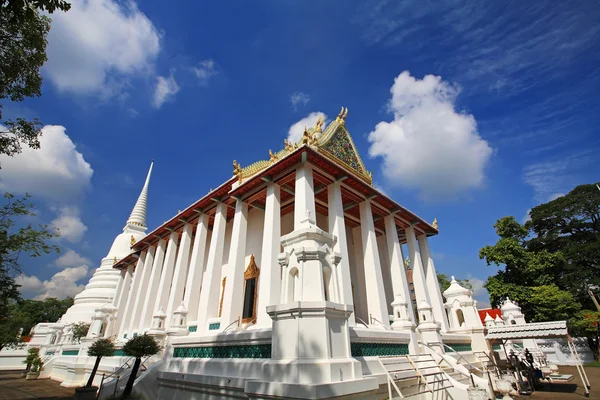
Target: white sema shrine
pixel 296 278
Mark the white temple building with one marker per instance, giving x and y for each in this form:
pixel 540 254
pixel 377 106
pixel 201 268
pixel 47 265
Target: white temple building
pixel 289 280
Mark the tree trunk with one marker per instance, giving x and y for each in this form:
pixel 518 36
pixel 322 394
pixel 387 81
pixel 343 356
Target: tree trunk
pixel 93 374
pixel 134 371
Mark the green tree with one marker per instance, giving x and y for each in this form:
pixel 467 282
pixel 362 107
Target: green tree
pixel 23 31
pixel 80 330
pixel 444 281
pixel 100 348
pixel 138 347
pixel 571 225
pixel 16 242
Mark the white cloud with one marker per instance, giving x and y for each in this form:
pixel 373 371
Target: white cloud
pixel 69 224
pixel 165 89
pixel 429 146
pixel 526 217
pixel 56 171
pixel 97 45
pixel 62 284
pixel 479 292
pixel 299 98
pixel 297 129
pixel 204 71
pixel 71 259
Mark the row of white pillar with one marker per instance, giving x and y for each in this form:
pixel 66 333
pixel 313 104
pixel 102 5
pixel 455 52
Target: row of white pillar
pixel 169 273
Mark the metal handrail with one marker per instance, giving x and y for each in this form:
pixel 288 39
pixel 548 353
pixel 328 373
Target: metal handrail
pixel 390 381
pixel 460 356
pixel 248 324
pixel 372 318
pixel 362 322
pixel 418 371
pixel 237 321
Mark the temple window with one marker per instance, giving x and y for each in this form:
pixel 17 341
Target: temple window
pixel 461 317
pixel 250 291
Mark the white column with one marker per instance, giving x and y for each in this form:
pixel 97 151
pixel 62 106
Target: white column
pixel 418 274
pixel 122 298
pixel 269 280
pixel 117 298
pixel 233 298
pixel 433 285
pixel 148 308
pixel 337 227
pixel 194 279
pixel 373 279
pixel 398 273
pixel 137 274
pixel 141 296
pixel 166 276
pixel 304 203
pixel 211 283
pixel 181 267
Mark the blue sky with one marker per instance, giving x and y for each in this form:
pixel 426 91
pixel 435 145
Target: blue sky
pixel 466 112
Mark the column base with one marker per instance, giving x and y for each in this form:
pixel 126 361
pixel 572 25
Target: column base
pixel 430 335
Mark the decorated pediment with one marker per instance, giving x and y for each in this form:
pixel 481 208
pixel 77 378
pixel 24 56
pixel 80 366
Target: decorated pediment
pixel 334 142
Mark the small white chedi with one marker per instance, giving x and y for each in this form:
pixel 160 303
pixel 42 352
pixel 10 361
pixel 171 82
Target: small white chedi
pixel 286 281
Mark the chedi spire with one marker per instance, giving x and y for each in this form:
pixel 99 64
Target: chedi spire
pixel 138 214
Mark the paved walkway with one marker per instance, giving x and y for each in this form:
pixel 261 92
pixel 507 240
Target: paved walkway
pixel 13 387
pixel 572 390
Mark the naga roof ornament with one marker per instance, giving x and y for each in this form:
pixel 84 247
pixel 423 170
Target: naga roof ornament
pixel 334 142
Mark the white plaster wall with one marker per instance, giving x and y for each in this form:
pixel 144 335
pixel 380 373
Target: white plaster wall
pixel 287 224
pixel 357 272
pixel 385 272
pixel 254 238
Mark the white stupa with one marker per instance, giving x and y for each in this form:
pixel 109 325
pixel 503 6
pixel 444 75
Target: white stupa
pixel 102 286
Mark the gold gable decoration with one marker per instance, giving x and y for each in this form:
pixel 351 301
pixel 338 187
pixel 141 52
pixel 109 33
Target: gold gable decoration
pixel 252 270
pixel 334 143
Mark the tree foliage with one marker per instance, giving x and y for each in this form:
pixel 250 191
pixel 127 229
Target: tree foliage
pixel 23 31
pixel 80 330
pixel 138 347
pixel 444 281
pixel 23 315
pixel 548 263
pixel 16 242
pixel 100 348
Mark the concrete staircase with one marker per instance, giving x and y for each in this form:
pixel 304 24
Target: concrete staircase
pixel 415 376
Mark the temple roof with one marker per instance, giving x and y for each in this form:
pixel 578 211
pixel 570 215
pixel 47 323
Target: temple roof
pixel 332 151
pixel 334 142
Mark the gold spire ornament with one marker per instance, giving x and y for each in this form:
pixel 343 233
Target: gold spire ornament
pixel 319 124
pixel 305 137
pixel 115 260
pixel 407 262
pixel 342 115
pixel 237 170
pixel 132 240
pixel 272 157
pixel 435 223
pixel 289 146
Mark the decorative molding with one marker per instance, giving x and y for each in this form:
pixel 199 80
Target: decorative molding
pixel 359 349
pixel 252 272
pixel 214 326
pixel 459 346
pixel 70 352
pixel 193 328
pixel 223 282
pixel 248 351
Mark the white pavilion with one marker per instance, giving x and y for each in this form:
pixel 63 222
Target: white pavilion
pixel 287 281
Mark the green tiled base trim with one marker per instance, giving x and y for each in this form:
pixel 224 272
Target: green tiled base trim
pixel 125 336
pixel 378 349
pixel 254 351
pixel 135 334
pixel 119 353
pixel 459 346
pixel 214 326
pixel 70 352
pixel 193 328
pixel 497 347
